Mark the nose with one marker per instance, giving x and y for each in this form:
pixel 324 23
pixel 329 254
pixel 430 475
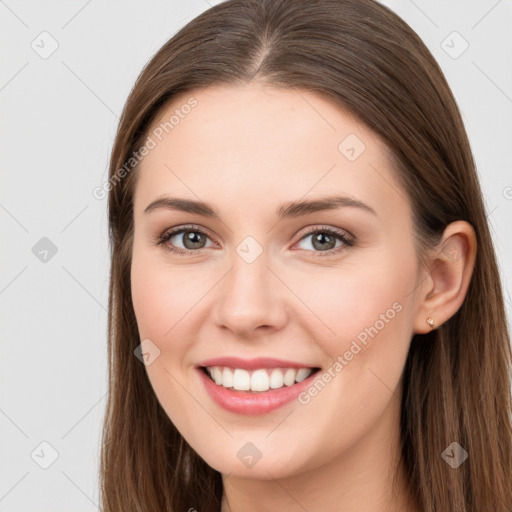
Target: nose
pixel 252 299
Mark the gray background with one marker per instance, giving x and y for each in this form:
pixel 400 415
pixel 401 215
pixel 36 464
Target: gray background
pixel 59 115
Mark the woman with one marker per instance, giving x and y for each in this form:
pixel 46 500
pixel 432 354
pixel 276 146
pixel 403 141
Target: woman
pixel 302 262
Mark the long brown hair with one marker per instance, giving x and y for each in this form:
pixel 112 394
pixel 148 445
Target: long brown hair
pixel 456 378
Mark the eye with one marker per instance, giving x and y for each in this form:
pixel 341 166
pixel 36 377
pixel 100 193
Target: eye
pixel 324 240
pixel 192 238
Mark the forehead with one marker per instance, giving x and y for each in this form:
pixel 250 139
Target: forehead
pixel 257 144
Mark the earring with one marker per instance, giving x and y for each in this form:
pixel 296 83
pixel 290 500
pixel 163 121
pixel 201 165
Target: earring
pixel 431 322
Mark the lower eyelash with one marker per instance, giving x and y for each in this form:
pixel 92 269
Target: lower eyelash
pixel 348 242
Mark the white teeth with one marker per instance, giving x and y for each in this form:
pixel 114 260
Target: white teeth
pixel 276 379
pixel 302 374
pixel 217 375
pixel 257 380
pixel 227 378
pixel 241 380
pixel 260 381
pixel 289 377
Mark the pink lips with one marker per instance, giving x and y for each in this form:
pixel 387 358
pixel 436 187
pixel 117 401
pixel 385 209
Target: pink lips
pixel 251 403
pixel 252 364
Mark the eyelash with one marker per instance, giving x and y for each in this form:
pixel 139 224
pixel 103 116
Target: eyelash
pixel 348 242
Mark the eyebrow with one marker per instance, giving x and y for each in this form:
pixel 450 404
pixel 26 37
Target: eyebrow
pixel 290 209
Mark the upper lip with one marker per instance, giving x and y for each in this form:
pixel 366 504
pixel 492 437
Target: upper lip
pixel 253 364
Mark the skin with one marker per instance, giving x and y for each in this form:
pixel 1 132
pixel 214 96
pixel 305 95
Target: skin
pixel 247 150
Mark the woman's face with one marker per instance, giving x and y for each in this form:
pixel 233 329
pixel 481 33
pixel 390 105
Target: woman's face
pixel 252 283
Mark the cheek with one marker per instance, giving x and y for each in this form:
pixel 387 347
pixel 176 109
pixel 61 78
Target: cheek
pixel 363 311
pixel 163 297
pixel 369 314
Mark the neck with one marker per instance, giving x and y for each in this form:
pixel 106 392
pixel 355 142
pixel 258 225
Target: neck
pixel 360 479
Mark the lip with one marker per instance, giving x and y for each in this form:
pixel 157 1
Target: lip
pixel 242 402
pixel 253 364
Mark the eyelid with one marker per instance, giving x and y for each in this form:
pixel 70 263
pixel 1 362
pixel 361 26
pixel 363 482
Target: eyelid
pixel 313 228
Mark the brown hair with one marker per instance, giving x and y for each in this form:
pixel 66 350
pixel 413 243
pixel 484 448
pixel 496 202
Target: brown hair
pixel 456 378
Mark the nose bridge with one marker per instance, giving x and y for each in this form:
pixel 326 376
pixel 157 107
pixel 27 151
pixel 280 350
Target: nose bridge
pixel 249 296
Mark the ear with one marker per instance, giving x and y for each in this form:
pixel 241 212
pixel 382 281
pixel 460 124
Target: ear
pixel 446 279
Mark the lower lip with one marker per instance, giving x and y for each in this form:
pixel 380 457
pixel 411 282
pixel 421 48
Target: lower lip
pixel 242 402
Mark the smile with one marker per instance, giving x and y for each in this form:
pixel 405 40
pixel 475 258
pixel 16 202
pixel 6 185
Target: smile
pixel 259 380
pixel 257 396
